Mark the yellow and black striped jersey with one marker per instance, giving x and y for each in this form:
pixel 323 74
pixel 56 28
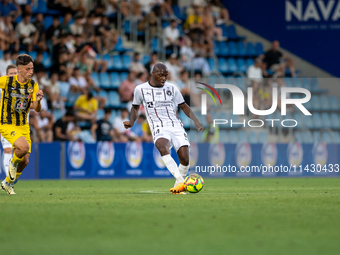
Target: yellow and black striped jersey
pixel 16 99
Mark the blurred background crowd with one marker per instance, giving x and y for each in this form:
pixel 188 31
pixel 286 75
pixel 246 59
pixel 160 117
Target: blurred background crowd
pixel 90 55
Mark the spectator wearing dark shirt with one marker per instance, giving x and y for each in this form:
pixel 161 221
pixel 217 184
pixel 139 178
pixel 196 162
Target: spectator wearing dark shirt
pixel 8 8
pixel 64 26
pixel 272 61
pixel 102 130
pixel 105 35
pixel 39 24
pixel 38 65
pixel 60 131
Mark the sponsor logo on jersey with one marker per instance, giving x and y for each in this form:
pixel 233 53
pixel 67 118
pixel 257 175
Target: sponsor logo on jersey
pixel 105 154
pixel 294 153
pixel 169 93
pixel 243 154
pixel 76 154
pixel 320 153
pixel 134 153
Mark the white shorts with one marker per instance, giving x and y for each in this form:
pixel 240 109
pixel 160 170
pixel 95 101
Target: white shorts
pixel 176 136
pixel 5 143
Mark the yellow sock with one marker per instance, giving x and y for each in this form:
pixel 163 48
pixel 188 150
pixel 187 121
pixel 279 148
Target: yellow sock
pixel 8 180
pixel 17 175
pixel 16 160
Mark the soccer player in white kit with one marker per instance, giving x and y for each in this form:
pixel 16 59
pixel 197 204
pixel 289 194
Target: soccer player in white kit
pixel 11 70
pixel 160 99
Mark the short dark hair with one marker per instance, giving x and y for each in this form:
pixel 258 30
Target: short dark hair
pixel 24 59
pixel 70 113
pixel 10 67
pixel 107 110
pixel 142 116
pixel 123 109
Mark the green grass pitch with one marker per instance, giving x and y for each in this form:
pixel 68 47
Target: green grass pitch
pixel 229 216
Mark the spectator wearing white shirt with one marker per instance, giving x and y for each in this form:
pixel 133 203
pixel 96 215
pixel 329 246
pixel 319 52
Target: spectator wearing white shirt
pixel 254 73
pixel 174 66
pixel 27 32
pixel 77 27
pixel 7 34
pixel 171 37
pixel 6 61
pixel 120 133
pixel 186 52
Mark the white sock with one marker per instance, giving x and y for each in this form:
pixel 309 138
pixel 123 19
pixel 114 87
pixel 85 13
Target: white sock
pixel 172 167
pixel 183 170
pixel 6 159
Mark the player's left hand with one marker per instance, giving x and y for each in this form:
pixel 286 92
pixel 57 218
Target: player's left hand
pixel 199 126
pixel 40 95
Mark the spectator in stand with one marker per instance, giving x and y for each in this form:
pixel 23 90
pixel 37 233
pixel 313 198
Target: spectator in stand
pixel 136 66
pixel 105 35
pixel 86 107
pixel 171 37
pixel 126 88
pixel 92 86
pixel 153 61
pixel 102 130
pixel 219 12
pixel 77 27
pixel 254 74
pixel 38 65
pixel 4 62
pixel 52 34
pixel 187 54
pixel 183 84
pixel 89 30
pixel 152 20
pixel 7 7
pixel 78 82
pixel 53 90
pixel 137 132
pixel 211 31
pixel 39 24
pixel 27 32
pixel 272 59
pixel 7 34
pixel 174 66
pixel 141 78
pixel 64 26
pixel 59 48
pixel 199 63
pixel 194 24
pixel 120 133
pixel 60 128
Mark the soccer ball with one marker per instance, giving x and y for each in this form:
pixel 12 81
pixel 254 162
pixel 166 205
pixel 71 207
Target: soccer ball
pixel 193 183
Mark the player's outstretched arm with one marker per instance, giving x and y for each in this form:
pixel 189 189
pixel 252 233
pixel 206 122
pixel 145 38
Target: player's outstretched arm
pixel 188 112
pixel 133 116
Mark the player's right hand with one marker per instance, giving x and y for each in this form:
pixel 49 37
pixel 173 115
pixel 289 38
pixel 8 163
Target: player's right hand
pixel 127 124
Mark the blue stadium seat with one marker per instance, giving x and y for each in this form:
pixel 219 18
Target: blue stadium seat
pixel 308 122
pixel 115 80
pixel 241 48
pixel 48 21
pixel 298 117
pixel 241 65
pixel 306 83
pixel 104 94
pixel 288 82
pixel 259 48
pixel 240 82
pixel 1 53
pixel 212 63
pixel 123 76
pixel 217 48
pixel 109 61
pixel 177 12
pixel 117 63
pixel 324 101
pixel 252 137
pixel 296 82
pixel 224 138
pixel 58 114
pixel 39 7
pixel 232 49
pixel 146 59
pixel 316 102
pixel 100 114
pixel 263 137
pixel 232 65
pixel 335 120
pixel 250 62
pixel 250 49
pixel 155 44
pixel 224 49
pixel 336 137
pixel 222 65
pixel 307 137
pixel 224 28
pixel 326 120
pixel 333 103
pixel 46 60
pixel 242 136
pixel 232 33
pixel 33 54
pixel 126 61
pixel 315 85
pixel 317 120
pixel 119 46
pixel 233 136
pixel 316 136
pixel 95 78
pixel 104 80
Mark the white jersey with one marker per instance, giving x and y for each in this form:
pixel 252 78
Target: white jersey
pixel 160 104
